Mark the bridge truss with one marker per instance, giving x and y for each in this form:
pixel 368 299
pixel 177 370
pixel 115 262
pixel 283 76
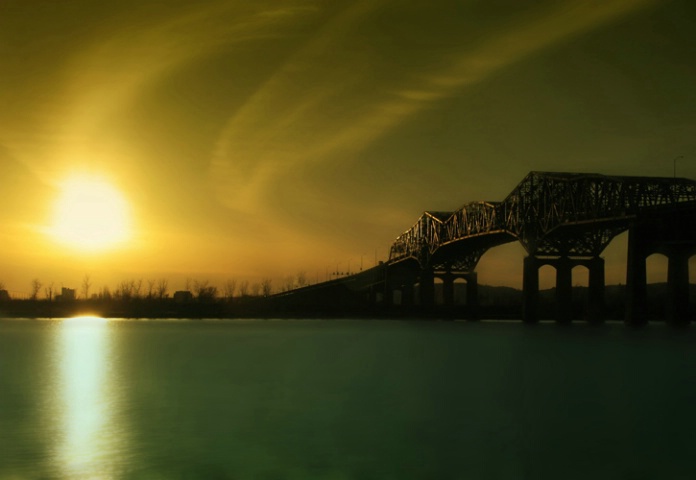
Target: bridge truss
pixel 550 214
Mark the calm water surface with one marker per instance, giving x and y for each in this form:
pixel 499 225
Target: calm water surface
pixel 264 399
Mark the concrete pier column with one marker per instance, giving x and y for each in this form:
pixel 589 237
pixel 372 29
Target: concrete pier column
pixel 388 294
pixel 564 290
pixel 407 295
pixel 530 290
pixel 595 291
pixel 678 289
pixel 448 289
pixel 636 288
pixel 392 285
pixel 372 296
pixel 427 288
pixel 472 295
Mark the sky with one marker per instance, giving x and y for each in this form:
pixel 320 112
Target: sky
pixel 250 140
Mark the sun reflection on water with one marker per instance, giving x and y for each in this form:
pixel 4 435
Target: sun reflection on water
pixel 88 440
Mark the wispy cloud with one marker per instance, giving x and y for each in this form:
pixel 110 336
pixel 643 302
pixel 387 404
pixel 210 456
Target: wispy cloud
pixel 129 54
pixel 325 101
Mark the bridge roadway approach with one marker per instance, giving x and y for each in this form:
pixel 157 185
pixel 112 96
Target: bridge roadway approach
pixel 562 220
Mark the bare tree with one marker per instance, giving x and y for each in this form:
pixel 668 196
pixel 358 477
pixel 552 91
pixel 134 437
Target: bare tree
pixel 301 279
pixel 162 286
pixel 35 288
pixel 48 291
pixel 121 291
pixel 86 285
pixel 266 287
pixel 244 289
pixel 255 289
pixel 229 288
pixel 124 290
pixel 105 293
pixel 288 283
pixel 204 292
pixel 199 286
pixel 137 287
pixel 150 289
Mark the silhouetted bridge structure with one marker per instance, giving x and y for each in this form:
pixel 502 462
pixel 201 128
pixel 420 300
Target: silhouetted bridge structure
pixel 561 219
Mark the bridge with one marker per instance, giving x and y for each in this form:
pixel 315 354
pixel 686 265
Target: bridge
pixel 560 219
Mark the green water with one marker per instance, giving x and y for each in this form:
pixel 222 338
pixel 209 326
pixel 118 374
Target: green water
pixel 268 399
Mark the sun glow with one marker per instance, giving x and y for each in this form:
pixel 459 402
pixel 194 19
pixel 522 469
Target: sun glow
pixel 84 320
pixel 90 214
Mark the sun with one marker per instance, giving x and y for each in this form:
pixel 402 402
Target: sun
pixel 90 214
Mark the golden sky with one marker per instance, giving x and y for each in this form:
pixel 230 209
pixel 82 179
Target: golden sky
pixel 258 139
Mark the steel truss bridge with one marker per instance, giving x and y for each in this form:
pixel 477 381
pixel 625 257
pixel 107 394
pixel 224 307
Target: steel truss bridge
pixel 562 220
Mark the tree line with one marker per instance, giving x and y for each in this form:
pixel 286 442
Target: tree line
pixel 159 289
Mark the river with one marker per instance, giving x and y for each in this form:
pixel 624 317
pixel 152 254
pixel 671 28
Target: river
pixel 340 399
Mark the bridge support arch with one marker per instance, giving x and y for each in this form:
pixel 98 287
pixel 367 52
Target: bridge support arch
pixel 399 284
pixel 426 289
pixel 642 242
pixel 448 279
pixel 564 287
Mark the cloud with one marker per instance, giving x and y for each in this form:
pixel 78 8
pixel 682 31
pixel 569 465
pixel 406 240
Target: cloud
pixel 336 96
pixel 105 72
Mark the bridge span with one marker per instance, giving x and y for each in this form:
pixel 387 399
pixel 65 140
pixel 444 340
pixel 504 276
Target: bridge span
pixel 560 219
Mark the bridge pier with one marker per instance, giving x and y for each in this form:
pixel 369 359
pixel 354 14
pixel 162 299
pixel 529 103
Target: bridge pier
pixel 636 279
pixel 407 295
pixel 448 282
pixel 564 289
pixel 595 294
pixel 399 280
pixel 643 242
pixel 530 290
pixel 472 295
pixel 426 290
pixel 375 294
pixel 448 288
pixel 678 287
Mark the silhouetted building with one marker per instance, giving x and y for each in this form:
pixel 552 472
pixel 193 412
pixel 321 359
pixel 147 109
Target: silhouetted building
pixel 183 296
pixel 66 295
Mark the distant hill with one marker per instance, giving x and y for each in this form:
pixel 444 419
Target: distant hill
pixel 491 297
